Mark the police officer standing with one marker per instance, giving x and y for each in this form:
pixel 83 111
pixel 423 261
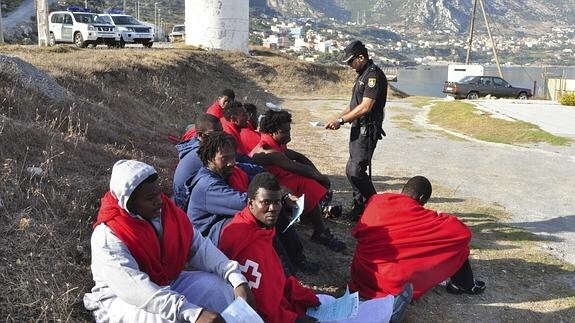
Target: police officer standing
pixel 365 113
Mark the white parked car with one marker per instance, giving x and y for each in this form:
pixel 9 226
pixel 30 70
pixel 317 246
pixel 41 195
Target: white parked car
pixel 131 30
pixel 81 28
pixel 178 33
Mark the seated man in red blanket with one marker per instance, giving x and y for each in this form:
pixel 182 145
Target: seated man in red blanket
pixel 217 108
pixel 235 119
pixel 248 238
pixel 399 241
pixel 294 171
pixel 249 135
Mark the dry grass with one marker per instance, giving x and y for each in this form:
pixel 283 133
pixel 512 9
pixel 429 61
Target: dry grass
pixel 55 157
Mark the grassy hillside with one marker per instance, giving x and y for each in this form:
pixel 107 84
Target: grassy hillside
pixel 57 148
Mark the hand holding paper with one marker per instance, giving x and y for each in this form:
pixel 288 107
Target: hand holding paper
pixel 296 212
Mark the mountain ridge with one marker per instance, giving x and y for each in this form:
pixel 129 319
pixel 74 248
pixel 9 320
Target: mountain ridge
pixel 528 16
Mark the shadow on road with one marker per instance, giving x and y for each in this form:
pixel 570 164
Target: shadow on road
pixel 554 225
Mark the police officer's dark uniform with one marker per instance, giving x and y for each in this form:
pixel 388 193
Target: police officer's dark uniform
pixel 371 82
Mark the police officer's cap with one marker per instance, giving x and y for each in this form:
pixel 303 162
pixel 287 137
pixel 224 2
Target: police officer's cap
pixel 353 49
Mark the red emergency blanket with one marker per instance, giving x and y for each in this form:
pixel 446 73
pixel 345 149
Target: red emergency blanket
pixel 298 184
pixel 162 260
pixel 399 241
pixel 278 298
pixel 249 137
pixel 216 110
pixel 231 129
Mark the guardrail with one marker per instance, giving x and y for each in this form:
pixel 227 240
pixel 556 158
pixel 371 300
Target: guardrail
pixel 391 72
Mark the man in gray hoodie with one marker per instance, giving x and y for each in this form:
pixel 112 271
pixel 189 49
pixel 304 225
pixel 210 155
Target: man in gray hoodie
pixel 140 245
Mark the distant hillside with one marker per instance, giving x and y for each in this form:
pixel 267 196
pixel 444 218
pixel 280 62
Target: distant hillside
pixel 529 16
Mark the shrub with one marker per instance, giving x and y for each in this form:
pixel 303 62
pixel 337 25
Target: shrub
pixel 568 99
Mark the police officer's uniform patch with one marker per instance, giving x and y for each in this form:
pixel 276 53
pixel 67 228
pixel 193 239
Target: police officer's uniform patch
pixel 371 81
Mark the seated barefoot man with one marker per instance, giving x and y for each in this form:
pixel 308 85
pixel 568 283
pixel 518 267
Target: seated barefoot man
pixel 248 238
pixel 294 171
pixel 399 241
pixel 140 245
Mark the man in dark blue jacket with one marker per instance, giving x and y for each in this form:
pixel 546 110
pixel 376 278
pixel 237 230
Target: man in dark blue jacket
pixel 213 201
pixel 190 162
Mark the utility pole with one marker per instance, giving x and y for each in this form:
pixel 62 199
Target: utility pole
pixel 160 19
pixel 42 22
pixel 491 37
pixel 155 20
pixel 1 28
pixel 138 9
pixel 471 28
pixel 124 11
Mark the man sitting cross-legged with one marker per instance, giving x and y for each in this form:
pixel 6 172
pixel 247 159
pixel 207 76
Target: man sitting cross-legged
pixel 218 192
pixel 294 171
pixel 190 162
pixel 248 238
pixel 399 241
pixel 140 245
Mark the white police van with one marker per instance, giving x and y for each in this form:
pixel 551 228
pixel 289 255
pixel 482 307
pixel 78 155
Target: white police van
pixel 131 30
pixel 81 27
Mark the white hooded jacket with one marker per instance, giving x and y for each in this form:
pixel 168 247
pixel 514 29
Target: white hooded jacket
pixel 116 272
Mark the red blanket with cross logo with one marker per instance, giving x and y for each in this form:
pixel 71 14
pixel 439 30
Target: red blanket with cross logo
pixel 278 298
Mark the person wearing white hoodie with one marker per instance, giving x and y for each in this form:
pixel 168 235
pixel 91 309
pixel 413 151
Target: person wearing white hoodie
pixel 140 245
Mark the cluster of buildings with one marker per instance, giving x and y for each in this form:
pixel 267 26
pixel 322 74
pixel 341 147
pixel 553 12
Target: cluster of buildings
pixel 308 39
pixel 324 39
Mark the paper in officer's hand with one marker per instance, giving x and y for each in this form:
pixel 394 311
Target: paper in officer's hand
pixel 296 211
pixel 240 312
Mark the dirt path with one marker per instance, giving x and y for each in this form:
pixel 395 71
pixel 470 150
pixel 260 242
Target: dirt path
pixel 479 182
pixel 21 15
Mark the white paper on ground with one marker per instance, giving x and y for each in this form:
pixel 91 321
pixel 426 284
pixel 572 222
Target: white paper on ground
pixel 340 308
pixel 273 107
pixel 296 212
pixel 240 312
pixel 316 123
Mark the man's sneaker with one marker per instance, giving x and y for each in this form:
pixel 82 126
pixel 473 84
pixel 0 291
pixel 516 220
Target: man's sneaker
pixel 308 267
pixel 329 240
pixel 400 303
pixel 478 288
pixel 331 211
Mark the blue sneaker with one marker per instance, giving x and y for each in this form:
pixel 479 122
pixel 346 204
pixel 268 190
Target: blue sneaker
pixel 400 303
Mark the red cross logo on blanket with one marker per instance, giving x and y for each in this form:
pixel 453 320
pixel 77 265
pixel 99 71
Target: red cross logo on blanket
pixel 250 270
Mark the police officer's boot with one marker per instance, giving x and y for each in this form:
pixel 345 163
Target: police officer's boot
pixel 356 210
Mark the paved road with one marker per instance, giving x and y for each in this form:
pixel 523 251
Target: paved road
pixel 548 115
pixel 534 184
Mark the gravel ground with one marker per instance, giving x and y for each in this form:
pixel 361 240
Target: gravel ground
pixel 533 183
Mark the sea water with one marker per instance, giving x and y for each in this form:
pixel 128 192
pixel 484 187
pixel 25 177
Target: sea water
pixel 427 80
